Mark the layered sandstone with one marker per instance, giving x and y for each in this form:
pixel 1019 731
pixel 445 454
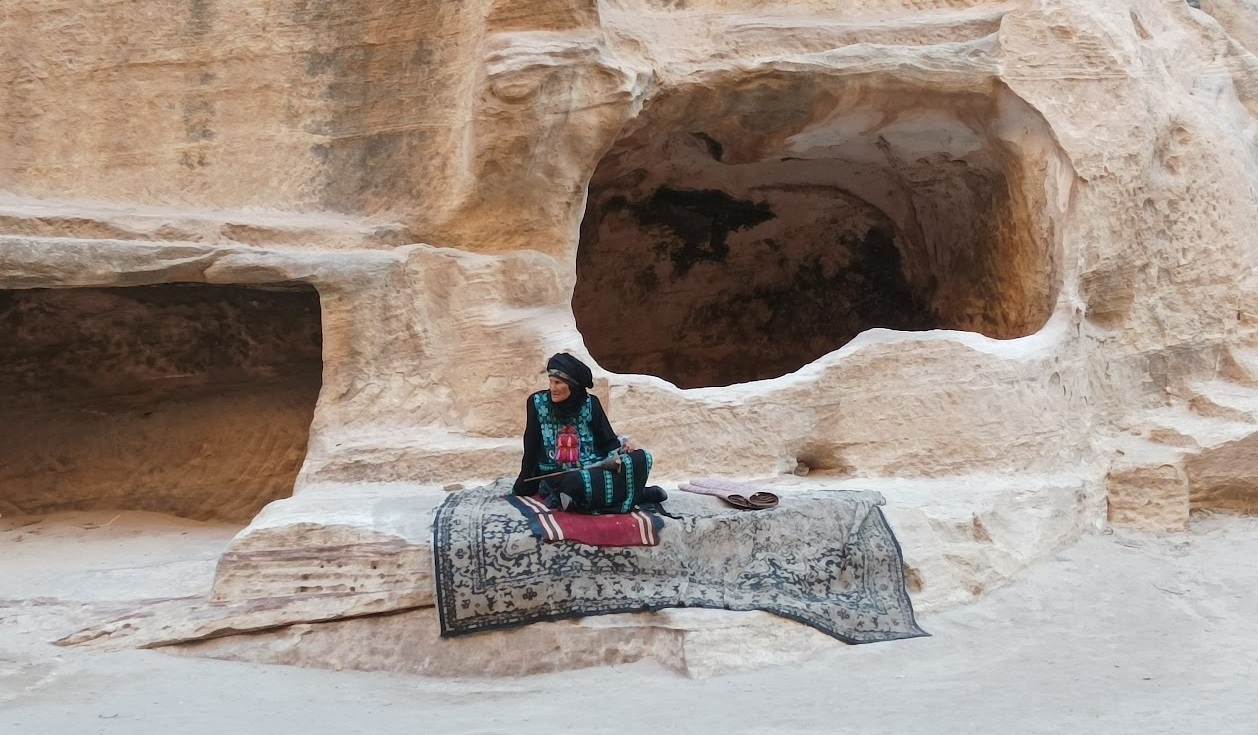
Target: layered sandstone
pixel 996 252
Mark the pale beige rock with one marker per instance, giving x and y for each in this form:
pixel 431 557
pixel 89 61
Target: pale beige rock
pixel 1148 489
pixel 1068 621
pixel 1238 17
pixel 694 643
pixel 165 622
pixel 1067 189
pixel 310 558
pixel 1195 454
pixel 359 539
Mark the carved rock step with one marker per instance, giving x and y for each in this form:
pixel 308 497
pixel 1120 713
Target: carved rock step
pixel 1147 485
pixel 1180 459
pixel 1185 428
pixel 1225 399
pixel 1241 365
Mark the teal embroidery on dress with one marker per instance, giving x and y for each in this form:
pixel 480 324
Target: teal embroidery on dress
pixel 589 488
pixel 551 425
pixel 628 504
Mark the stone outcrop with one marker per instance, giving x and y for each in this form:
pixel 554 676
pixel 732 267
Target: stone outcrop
pixel 952 244
pixel 340 577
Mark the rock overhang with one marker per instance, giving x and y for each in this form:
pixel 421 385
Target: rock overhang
pixel 189 399
pixel 1121 127
pixel 734 221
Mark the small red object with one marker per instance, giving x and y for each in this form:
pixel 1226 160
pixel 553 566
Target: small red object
pixel 568 447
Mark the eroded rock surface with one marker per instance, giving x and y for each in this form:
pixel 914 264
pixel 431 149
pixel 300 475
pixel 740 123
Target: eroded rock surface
pixel 950 243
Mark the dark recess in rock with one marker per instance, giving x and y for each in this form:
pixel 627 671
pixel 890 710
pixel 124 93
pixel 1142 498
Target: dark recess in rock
pixel 738 234
pixel 702 221
pixel 189 399
pixel 715 149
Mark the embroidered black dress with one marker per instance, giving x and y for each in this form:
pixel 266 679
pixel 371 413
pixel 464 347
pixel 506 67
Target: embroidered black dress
pixel 586 491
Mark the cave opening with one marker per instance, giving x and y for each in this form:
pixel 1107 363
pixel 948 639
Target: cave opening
pixel 187 399
pixel 738 233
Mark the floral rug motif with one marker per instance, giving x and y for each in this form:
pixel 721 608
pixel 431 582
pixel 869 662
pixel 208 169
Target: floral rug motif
pixel 824 558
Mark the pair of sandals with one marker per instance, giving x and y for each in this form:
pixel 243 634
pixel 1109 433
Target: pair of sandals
pixel 738 494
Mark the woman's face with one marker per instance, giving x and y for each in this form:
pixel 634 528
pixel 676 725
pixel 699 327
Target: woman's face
pixel 559 390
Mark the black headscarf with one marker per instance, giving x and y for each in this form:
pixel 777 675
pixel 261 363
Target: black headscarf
pixel 578 377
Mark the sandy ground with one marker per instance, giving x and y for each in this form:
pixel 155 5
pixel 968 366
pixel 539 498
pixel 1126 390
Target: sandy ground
pixel 1124 633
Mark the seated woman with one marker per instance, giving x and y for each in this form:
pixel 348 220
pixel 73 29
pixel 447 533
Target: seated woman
pixel 567 429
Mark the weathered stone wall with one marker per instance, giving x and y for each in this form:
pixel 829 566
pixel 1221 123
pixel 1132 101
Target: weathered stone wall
pixel 1069 188
pixel 992 259
pixel 297 105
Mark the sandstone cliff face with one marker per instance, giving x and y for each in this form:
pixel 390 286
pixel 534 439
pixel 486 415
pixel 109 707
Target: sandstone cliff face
pixel 919 240
pixel 201 103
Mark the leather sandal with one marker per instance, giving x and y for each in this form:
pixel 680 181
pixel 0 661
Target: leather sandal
pixel 763 500
pixel 739 495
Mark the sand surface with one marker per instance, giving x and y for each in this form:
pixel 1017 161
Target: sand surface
pixel 1123 633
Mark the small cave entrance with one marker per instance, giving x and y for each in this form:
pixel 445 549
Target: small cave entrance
pixel 738 233
pixel 187 399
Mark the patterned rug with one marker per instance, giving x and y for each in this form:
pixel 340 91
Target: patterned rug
pixel 824 558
